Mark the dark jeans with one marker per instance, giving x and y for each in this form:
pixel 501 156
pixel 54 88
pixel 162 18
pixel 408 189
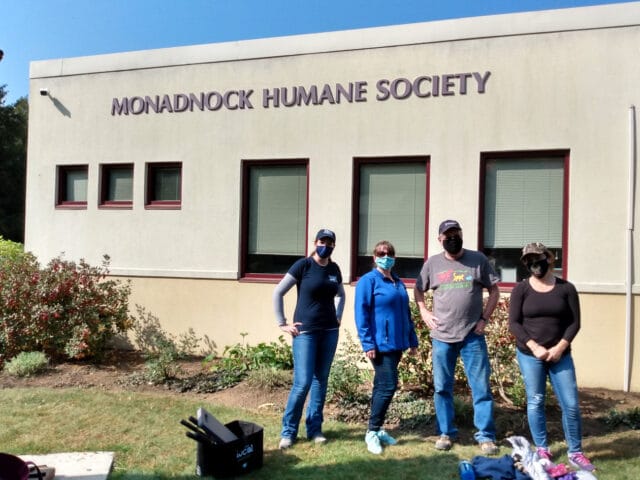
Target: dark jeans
pixel 385 383
pixel 312 357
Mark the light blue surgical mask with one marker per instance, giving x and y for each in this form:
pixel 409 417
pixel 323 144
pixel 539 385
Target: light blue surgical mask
pixel 385 263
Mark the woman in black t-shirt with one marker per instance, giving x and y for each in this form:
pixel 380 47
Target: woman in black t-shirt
pixel 315 335
pixel 544 316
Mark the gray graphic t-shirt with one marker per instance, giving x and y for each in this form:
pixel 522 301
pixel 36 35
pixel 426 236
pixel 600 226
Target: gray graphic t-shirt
pixel 457 292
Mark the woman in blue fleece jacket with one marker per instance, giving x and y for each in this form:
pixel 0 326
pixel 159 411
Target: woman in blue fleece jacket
pixel 385 329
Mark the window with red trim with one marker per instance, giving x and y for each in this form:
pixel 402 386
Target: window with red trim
pixel 72 186
pixel 116 185
pixel 390 203
pixel 274 216
pixel 523 200
pixel 164 185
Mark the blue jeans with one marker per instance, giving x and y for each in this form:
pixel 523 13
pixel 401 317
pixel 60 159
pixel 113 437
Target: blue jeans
pixel 312 356
pixel 385 383
pixel 563 380
pixel 473 350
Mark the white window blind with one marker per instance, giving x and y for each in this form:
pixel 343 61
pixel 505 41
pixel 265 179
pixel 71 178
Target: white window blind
pixel 277 210
pixel 523 202
pixel 167 183
pixel 392 207
pixel 76 185
pixel 120 184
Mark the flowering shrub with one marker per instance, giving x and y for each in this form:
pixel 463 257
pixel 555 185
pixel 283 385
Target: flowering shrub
pixel 506 380
pixel 417 370
pixel 66 309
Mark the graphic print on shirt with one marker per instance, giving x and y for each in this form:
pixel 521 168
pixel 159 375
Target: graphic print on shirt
pixel 451 278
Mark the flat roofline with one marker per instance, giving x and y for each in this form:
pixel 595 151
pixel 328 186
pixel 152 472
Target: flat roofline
pixel 544 21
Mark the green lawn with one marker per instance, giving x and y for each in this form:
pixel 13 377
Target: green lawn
pixel 149 443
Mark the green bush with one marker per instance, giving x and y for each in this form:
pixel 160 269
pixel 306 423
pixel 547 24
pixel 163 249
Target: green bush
pixel 410 411
pixel 161 349
pixel 506 380
pixel 65 309
pixel 269 378
pixel 26 364
pixel 347 375
pixel 629 418
pixel 10 250
pixel 417 371
pixel 152 339
pixel 242 357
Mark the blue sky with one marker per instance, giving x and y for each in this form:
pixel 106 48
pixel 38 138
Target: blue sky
pixel 46 29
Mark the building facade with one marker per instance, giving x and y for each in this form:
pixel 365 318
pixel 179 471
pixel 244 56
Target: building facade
pixel 205 171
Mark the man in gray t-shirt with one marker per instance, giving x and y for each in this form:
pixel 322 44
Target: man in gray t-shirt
pixel 458 278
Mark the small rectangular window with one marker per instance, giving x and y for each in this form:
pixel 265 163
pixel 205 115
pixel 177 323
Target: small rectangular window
pixel 116 185
pixel 164 185
pixel 72 186
pixel 274 216
pixel 524 201
pixel 390 200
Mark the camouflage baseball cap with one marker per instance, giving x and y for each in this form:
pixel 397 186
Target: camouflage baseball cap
pixel 535 248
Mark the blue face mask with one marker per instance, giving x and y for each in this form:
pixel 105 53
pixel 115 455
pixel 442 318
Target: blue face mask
pixel 324 251
pixel 385 263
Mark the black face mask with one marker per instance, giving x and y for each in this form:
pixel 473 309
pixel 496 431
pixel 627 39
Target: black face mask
pixel 539 268
pixel 453 244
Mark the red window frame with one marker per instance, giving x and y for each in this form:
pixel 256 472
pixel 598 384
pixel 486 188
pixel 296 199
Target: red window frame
pixel 62 194
pixel 151 200
pixel 105 178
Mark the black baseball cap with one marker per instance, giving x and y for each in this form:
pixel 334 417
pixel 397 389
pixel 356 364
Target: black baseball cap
pixel 326 233
pixel 448 225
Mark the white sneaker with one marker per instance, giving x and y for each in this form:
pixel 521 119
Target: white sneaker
pixel 319 438
pixel 373 442
pixel 285 443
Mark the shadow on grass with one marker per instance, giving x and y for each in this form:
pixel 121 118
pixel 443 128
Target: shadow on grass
pixel 287 465
pixel 615 448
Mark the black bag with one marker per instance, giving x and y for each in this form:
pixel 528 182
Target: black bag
pixel 14 468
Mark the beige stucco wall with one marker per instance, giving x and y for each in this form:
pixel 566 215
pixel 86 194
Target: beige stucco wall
pixel 220 309
pixel 223 310
pixel 600 348
pixel 559 80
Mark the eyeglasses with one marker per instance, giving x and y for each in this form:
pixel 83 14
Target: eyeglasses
pixel 383 254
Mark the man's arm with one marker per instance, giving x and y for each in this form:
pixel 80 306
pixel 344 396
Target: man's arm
pixel 427 316
pixel 492 302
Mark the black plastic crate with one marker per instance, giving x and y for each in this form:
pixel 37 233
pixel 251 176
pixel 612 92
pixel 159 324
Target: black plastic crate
pixel 232 458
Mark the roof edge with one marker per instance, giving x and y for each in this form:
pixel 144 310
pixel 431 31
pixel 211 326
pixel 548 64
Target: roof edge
pixel 537 22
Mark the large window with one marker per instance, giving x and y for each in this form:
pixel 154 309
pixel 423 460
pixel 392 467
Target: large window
pixel 390 199
pixel 72 186
pixel 524 201
pixel 274 216
pixel 116 185
pixel 164 185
